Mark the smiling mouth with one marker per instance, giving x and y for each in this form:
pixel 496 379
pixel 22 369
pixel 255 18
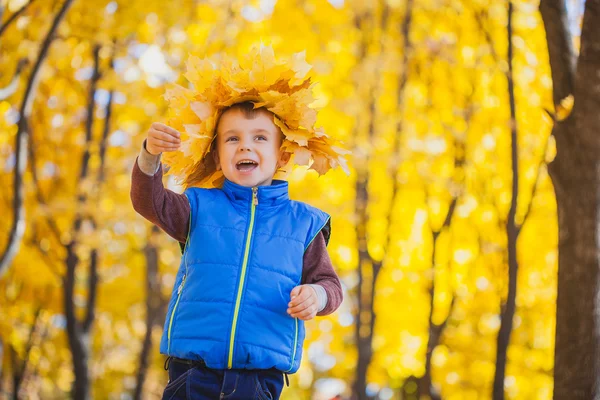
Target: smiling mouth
pixel 246 165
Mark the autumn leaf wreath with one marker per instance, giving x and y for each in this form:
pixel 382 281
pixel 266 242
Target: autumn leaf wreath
pixel 281 86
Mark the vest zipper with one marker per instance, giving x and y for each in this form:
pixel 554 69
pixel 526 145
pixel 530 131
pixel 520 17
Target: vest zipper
pixel 180 288
pixel 253 205
pixel 295 345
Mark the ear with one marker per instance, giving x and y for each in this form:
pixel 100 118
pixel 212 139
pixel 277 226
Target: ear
pixel 215 156
pixel 284 158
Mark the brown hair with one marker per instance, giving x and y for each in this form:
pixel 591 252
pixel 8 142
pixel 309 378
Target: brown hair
pixel 246 107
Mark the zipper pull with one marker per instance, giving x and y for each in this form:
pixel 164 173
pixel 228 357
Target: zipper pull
pixel 255 196
pixel 180 288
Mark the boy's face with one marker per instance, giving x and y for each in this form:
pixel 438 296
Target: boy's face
pixel 248 150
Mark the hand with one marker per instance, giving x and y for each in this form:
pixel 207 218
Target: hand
pixel 162 138
pixel 304 303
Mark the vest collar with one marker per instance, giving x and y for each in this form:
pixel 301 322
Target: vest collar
pixel 271 195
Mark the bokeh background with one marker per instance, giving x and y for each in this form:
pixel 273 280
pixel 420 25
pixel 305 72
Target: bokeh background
pixel 445 231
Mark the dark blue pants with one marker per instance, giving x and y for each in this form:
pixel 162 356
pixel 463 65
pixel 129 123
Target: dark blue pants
pixel 197 382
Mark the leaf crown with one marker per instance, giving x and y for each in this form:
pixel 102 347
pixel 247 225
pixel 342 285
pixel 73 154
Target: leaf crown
pixel 283 87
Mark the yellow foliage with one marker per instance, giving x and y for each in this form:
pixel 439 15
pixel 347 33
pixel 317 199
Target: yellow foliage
pixel 563 110
pixel 444 135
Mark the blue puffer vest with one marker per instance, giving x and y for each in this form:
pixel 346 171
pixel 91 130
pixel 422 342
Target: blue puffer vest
pixel 242 258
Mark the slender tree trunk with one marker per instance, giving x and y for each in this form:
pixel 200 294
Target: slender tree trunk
pixel 21 142
pixel 425 383
pixel 16 373
pixel 14 16
pixel 12 87
pixel 368 268
pixel 78 339
pixel 153 305
pixel 512 232
pixel 78 332
pixel 366 281
pixel 1 365
pixel 28 369
pixel 575 173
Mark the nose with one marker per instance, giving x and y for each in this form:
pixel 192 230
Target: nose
pixel 244 144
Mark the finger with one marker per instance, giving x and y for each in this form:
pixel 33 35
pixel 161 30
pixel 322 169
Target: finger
pixel 167 149
pixel 301 297
pixel 157 138
pixel 308 317
pixel 308 312
pixel 159 135
pixel 165 132
pixel 302 306
pixel 166 129
pixel 161 149
pixel 163 143
pixel 295 292
pixel 305 292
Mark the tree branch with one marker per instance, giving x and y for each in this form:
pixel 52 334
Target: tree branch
pixel 560 47
pixel 50 262
pixel 486 34
pixel 425 385
pixel 535 186
pixel 26 364
pixel 38 192
pixel 21 138
pixel 13 17
pixel 12 87
pixel 403 79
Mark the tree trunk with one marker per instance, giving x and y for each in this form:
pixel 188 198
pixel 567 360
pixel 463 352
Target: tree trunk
pixel 16 373
pixel 368 268
pixel 78 332
pixel 577 186
pixel 508 309
pixel 425 383
pixel 575 173
pixel 153 306
pixel 78 339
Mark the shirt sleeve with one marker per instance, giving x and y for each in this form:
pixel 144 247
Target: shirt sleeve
pixel 166 209
pixel 147 162
pixel 318 270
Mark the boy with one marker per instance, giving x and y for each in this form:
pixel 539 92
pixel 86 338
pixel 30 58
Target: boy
pixel 254 263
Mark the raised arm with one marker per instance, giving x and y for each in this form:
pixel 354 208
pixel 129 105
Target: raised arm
pixel 170 211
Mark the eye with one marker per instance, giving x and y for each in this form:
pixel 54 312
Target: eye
pixel 231 139
pixel 261 137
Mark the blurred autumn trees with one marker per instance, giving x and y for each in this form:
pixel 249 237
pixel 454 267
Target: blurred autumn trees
pixel 472 125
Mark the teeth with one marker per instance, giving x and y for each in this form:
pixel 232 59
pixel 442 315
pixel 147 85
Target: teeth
pixel 246 162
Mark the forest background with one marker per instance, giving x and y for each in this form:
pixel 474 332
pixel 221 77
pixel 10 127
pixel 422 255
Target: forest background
pixel 473 126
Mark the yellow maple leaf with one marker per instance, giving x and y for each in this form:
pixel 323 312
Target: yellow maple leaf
pixel 199 72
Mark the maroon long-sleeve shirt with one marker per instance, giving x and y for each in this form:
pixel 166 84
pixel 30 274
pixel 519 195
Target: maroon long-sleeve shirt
pixel 171 212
